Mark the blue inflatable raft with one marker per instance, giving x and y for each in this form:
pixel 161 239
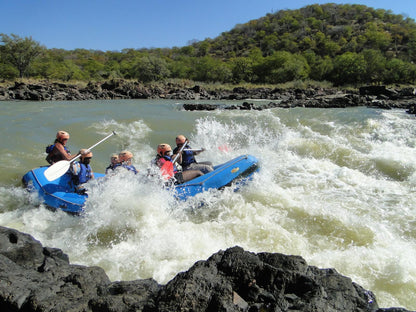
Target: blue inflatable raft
pixel 61 194
pixel 238 170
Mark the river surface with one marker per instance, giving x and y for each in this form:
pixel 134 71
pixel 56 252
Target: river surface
pixel 336 186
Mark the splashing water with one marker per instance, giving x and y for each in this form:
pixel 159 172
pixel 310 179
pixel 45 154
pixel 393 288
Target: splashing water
pixel 336 187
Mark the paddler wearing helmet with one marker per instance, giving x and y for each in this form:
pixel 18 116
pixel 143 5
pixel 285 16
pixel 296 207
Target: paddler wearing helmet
pixel 114 161
pixel 187 158
pixel 82 171
pixel 125 161
pixel 164 160
pixel 58 150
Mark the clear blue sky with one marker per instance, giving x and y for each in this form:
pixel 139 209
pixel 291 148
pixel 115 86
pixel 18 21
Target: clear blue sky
pixel 117 24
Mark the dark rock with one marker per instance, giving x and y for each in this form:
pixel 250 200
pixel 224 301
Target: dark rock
pixel 373 90
pixel 408 92
pixel 193 107
pixel 36 278
pixel 197 89
pixel 370 96
pixel 411 109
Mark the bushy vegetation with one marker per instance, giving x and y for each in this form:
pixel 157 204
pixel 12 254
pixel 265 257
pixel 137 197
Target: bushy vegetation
pixel 340 44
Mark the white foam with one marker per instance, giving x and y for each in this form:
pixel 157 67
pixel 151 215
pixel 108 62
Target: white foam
pixel 338 192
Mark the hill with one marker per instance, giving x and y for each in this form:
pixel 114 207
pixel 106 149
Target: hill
pixel 341 44
pixel 326 30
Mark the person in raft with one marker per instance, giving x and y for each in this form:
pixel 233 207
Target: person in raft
pixel 187 158
pixel 125 161
pixel 81 171
pixel 58 150
pixel 168 169
pixel 113 163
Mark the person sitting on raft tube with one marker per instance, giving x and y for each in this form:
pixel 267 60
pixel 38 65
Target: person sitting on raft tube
pixel 187 158
pixel 82 171
pixel 58 150
pixel 168 169
pixel 113 163
pixel 125 159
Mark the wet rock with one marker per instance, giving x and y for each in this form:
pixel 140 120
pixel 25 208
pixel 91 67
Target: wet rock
pixel 193 107
pixel 37 278
pixel 370 96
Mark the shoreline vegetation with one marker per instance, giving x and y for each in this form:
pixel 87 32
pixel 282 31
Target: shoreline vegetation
pixel 37 278
pixel 298 94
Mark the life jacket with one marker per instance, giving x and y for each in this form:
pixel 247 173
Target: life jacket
pixel 110 167
pixel 81 173
pixel 161 160
pixel 50 147
pixel 187 156
pixel 52 157
pixel 128 167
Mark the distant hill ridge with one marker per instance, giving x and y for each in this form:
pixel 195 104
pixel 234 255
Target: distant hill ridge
pixel 327 30
pixel 338 44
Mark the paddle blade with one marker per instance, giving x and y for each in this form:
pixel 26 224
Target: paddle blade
pixel 57 170
pixel 167 170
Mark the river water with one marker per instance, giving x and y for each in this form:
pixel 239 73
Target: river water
pixel 336 187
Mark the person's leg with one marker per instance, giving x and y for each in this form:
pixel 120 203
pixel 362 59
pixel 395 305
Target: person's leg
pixel 205 168
pixel 191 174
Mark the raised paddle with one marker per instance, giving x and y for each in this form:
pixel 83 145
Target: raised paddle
pixel 198 150
pixel 222 148
pixel 59 168
pixel 180 151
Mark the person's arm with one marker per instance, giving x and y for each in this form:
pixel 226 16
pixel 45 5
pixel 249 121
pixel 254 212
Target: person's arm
pixel 63 152
pixel 199 152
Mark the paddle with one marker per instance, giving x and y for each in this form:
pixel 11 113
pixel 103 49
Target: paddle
pixel 59 168
pixel 198 150
pixel 180 151
pixel 167 168
pixel 222 148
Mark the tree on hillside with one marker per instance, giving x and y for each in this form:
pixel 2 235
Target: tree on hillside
pixel 349 68
pixel 20 52
pixel 150 68
pixel 281 67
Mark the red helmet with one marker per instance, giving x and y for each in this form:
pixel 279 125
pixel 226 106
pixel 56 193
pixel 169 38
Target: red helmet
pixel 163 149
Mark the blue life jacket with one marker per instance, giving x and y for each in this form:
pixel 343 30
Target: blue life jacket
pixel 110 167
pixel 187 156
pixel 50 147
pixel 128 167
pixel 53 158
pixel 83 175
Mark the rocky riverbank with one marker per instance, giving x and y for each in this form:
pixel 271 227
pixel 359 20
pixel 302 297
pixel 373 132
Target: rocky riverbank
pixel 37 278
pixel 371 96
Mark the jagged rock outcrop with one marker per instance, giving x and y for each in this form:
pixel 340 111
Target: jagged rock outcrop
pixel 37 278
pixel 371 96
